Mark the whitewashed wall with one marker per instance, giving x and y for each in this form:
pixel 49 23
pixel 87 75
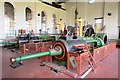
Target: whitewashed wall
pixel 112 21
pixel 89 11
pixel 36 7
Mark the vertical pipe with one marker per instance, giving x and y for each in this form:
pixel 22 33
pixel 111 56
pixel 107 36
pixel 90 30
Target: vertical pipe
pixel 36 47
pixel 24 49
pixel 68 61
pixel 81 27
pixel 78 64
pixel 103 12
pixel 50 59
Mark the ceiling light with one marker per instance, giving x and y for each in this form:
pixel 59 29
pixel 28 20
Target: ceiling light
pixel 91 1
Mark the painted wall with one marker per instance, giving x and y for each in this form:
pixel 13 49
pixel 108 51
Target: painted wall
pixel 94 11
pixel 36 7
pixel 20 22
pixel 111 22
pixel 119 13
pixel 2 28
pixel 1 20
pixel 49 12
pixel 99 9
pixel 70 9
pixel 87 11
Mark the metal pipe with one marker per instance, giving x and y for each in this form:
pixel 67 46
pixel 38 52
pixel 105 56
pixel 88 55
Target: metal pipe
pixel 8 42
pixel 96 40
pixel 30 56
pixel 52 52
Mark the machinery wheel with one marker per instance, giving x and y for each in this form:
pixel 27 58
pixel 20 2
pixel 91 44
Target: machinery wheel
pixel 88 31
pixel 62 57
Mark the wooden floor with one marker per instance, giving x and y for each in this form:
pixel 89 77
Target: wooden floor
pixel 107 68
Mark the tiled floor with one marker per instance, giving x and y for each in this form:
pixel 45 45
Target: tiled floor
pixel 107 68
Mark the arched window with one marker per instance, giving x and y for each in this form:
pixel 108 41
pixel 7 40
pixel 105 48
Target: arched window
pixel 9 12
pixel 43 21
pixel 28 13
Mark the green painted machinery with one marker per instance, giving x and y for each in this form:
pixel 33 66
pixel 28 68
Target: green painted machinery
pixel 59 50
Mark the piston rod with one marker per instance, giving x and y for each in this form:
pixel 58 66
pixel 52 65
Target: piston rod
pixel 51 52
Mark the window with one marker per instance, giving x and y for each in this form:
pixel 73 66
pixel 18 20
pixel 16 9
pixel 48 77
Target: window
pixel 9 19
pixel 9 10
pixel 28 13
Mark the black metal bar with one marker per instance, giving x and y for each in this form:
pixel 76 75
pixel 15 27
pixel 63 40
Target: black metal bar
pixel 56 6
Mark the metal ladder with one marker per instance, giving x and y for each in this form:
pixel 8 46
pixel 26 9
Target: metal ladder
pixel 85 47
pixel 91 59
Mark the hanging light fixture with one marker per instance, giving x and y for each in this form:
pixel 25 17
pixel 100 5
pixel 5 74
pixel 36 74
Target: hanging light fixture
pixel 91 1
pixel 76 11
pixel 76 14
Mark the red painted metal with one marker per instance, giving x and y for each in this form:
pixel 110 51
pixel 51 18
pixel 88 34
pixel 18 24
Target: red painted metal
pixel 61 57
pixel 68 61
pixel 78 62
pixel 82 60
pixel 98 55
pixel 36 45
pixel 102 52
pixel 29 48
pixel 24 48
pixel 45 46
pixel 79 45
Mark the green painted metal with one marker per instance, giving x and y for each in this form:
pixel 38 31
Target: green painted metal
pixel 5 43
pixel 100 42
pixel 61 63
pixel 30 56
pixel 103 36
pixel 94 41
pixel 100 34
pixel 46 37
pixel 52 52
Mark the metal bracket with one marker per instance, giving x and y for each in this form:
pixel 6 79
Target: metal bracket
pixel 15 65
